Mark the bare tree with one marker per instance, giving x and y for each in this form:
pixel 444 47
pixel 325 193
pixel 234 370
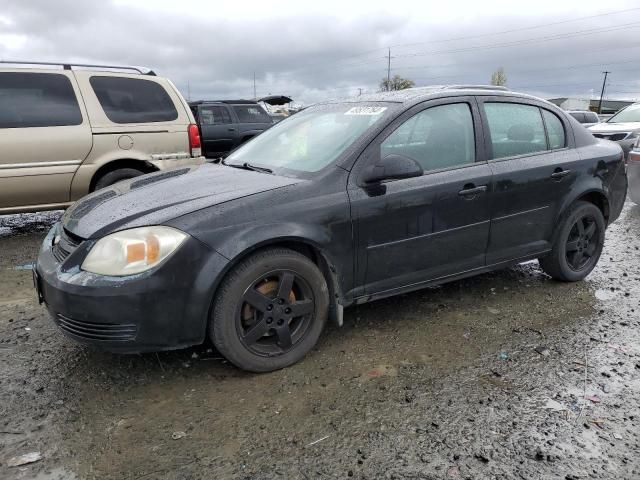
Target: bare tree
pixel 396 83
pixel 499 78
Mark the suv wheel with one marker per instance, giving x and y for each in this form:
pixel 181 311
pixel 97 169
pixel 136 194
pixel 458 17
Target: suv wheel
pixel 270 310
pixel 578 243
pixel 115 176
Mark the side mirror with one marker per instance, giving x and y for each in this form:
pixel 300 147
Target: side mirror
pixel 392 167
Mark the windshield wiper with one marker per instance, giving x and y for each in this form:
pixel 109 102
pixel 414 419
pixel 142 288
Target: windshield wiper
pixel 248 166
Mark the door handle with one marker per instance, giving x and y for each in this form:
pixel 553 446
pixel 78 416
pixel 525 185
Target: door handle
pixel 559 174
pixel 471 190
pixel 232 129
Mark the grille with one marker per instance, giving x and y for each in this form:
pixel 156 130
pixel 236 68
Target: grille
pixel 65 246
pixel 107 332
pixel 613 137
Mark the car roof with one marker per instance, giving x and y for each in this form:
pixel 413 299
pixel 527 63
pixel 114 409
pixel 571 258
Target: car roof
pixel 411 96
pixel 26 64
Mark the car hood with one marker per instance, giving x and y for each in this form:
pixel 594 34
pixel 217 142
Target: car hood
pixel 607 127
pixel 159 197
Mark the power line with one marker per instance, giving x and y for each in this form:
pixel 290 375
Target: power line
pixel 514 30
pixel 547 38
pixel 525 41
pixel 467 37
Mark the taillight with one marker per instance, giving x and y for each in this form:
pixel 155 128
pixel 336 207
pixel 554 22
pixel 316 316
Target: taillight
pixel 194 140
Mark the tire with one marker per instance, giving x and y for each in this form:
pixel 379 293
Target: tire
pixel 253 336
pixel 577 244
pixel 115 176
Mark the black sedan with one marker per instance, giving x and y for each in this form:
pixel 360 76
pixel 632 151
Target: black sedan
pixel 343 203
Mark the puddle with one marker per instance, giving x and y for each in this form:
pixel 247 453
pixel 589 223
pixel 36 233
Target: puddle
pixel 604 294
pixel 26 266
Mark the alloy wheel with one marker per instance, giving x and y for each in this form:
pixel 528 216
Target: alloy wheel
pixel 275 312
pixel 582 243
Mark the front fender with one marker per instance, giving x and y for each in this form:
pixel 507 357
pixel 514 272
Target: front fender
pixel 336 254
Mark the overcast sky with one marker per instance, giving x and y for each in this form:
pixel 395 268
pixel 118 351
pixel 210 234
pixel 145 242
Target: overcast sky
pixel 333 48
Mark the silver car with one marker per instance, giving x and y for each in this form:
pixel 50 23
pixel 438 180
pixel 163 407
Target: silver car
pixel 623 127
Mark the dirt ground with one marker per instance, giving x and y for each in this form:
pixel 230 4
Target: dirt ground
pixel 506 375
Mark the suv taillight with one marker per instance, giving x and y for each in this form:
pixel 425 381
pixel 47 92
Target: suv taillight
pixel 194 140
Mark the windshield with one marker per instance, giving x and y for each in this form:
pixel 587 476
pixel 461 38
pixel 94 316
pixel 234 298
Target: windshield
pixel 629 114
pixel 312 139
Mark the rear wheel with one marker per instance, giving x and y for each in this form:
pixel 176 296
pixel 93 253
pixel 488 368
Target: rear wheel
pixel 270 310
pixel 578 243
pixel 116 176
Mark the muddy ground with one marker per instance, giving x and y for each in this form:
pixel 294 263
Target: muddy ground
pixel 506 375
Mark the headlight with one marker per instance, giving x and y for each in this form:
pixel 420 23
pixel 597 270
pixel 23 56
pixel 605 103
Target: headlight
pixel 636 146
pixel 633 135
pixel 132 251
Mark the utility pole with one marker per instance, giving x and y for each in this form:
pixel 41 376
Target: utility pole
pixel 604 84
pixel 359 91
pixel 255 97
pixel 389 70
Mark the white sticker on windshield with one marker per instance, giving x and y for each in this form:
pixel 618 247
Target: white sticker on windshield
pixel 365 111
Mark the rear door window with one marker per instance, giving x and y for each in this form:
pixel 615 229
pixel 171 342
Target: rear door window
pixel 37 100
pixel 132 100
pixel 215 115
pixel 251 114
pixel 515 129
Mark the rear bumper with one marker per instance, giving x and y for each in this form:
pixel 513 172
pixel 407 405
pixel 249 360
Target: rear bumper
pixel 165 308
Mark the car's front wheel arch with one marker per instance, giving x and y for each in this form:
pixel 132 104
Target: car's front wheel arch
pixel 303 246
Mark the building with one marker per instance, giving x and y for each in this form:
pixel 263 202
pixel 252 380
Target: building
pixel 608 106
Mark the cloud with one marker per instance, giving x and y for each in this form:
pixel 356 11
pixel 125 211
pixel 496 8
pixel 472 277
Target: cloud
pixel 322 54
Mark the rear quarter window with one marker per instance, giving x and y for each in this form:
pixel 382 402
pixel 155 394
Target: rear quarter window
pixel 132 100
pixel 555 130
pixel 251 114
pixel 37 100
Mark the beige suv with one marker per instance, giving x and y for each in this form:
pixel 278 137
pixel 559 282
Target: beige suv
pixel 67 130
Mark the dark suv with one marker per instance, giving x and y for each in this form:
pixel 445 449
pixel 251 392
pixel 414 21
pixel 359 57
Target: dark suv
pixel 340 204
pixel 225 124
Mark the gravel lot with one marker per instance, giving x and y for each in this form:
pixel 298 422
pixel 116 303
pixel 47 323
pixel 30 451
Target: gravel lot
pixel 506 375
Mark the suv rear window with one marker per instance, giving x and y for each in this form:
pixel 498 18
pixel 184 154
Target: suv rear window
pixel 37 100
pixel 251 114
pixel 132 100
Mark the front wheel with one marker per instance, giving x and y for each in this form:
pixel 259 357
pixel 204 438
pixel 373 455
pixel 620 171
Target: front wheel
pixel 269 310
pixel 577 245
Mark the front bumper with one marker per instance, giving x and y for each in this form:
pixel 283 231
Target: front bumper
pixel 633 174
pixel 162 309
